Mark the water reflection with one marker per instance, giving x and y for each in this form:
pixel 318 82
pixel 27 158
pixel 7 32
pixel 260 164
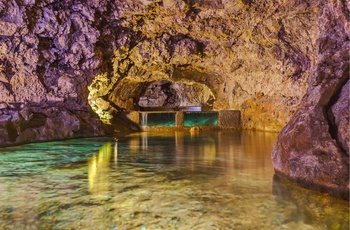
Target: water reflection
pixel 99 169
pixel 230 150
pixel 182 180
pixel 116 152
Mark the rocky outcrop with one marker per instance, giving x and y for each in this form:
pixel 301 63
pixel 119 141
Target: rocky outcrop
pixel 46 63
pixel 313 149
pixel 25 124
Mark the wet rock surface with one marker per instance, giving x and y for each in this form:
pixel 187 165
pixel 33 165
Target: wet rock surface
pixel 313 149
pixel 46 63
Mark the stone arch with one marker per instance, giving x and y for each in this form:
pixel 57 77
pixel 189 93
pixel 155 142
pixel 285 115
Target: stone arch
pixel 175 95
pixel 190 86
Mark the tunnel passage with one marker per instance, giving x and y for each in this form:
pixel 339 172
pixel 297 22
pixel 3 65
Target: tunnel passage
pixel 133 95
pixel 170 95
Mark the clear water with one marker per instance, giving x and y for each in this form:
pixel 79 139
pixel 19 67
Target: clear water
pixel 166 119
pixel 201 119
pixel 182 180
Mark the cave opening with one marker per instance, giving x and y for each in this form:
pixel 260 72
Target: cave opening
pixel 116 103
pixel 163 95
pixel 176 104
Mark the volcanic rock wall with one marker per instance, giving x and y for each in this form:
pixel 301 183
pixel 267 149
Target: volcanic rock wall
pixel 46 63
pixel 254 56
pixel 313 149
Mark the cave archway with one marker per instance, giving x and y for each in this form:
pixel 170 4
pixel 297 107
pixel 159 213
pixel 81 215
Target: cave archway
pixel 131 95
pixel 173 95
pixel 139 88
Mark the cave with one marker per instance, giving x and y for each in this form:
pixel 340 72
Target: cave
pixel 164 94
pixel 186 89
pixel 161 95
pixel 161 105
pixel 174 114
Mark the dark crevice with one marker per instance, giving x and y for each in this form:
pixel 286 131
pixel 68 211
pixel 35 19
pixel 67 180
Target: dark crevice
pixel 59 5
pixel 12 132
pixel 300 61
pixel 45 43
pixel 111 103
pixel 38 120
pixel 171 44
pixel 171 94
pixel 345 9
pixel 193 9
pixel 333 128
pixel 247 2
pixel 137 38
pixel 33 16
pixel 7 69
pixel 143 88
pixel 41 75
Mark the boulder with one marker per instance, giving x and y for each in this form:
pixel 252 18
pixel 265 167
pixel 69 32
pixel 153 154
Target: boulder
pixel 313 149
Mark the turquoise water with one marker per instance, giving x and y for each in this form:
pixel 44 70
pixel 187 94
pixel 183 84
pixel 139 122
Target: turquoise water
pixel 201 119
pixel 158 119
pixel 173 180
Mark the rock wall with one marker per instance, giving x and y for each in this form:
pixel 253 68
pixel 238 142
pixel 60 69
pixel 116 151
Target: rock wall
pixel 99 57
pixel 25 123
pixel 46 63
pixel 253 56
pixel 313 149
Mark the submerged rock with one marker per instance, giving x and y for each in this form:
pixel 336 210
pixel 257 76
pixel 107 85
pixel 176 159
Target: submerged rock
pixel 325 212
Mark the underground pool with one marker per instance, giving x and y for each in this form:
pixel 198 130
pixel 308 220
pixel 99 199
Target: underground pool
pixel 168 180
